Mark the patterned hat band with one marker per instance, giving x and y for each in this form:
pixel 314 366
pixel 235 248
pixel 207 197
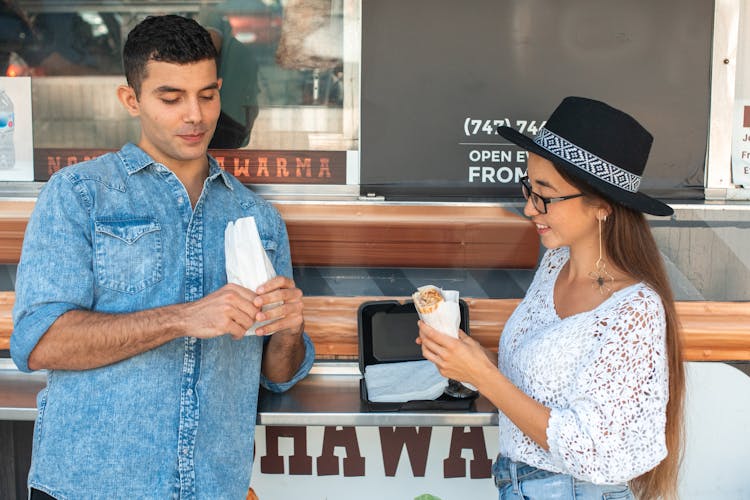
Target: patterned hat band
pixel 589 162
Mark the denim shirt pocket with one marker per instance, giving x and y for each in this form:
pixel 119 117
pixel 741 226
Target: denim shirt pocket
pixel 128 253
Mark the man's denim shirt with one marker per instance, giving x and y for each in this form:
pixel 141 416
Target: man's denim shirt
pixel 117 234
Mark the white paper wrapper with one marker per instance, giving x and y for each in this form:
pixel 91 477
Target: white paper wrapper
pixel 246 260
pixel 446 317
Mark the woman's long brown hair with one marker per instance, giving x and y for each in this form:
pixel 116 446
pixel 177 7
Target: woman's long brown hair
pixel 631 247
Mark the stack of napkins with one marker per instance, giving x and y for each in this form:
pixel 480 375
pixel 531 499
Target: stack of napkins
pixel 406 381
pixel 246 260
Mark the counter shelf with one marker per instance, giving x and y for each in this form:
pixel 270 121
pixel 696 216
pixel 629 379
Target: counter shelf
pixel 328 396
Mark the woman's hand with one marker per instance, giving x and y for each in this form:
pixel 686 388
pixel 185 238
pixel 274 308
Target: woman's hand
pixel 462 359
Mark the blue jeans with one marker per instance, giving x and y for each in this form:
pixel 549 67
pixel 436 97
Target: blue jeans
pixel 519 481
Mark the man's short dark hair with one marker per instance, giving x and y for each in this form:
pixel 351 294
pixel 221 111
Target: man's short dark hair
pixel 170 38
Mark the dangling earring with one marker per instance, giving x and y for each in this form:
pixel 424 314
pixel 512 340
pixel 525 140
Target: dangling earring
pixel 601 277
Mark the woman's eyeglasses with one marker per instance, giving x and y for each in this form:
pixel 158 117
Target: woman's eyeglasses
pixel 537 200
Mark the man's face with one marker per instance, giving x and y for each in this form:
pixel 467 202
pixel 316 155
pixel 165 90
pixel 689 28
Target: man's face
pixel 178 108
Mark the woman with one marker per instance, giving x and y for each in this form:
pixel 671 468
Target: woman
pixel 589 381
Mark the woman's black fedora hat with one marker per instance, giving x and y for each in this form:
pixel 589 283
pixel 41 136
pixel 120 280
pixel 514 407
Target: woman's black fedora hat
pixel 599 145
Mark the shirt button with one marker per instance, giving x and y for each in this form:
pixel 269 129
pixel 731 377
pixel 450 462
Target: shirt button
pixel 189 392
pixel 180 200
pixel 184 451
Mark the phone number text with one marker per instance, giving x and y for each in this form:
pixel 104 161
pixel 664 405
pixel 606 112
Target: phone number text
pixel 473 126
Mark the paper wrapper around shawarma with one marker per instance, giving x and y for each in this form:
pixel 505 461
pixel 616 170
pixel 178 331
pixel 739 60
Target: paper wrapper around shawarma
pixel 246 260
pixel 438 308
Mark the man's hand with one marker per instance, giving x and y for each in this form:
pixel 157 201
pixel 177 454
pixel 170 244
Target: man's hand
pixel 285 349
pixel 230 309
pixel 286 317
pixel 233 309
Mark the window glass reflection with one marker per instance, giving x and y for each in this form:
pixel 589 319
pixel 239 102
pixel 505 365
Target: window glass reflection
pixel 281 61
pixel 59 43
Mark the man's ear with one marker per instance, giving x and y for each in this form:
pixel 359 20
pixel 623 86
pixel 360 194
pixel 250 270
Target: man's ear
pixel 126 95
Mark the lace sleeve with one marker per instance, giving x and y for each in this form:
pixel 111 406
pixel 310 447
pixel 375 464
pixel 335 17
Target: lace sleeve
pixel 613 429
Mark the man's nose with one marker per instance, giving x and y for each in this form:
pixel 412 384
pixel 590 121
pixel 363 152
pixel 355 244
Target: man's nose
pixel 193 111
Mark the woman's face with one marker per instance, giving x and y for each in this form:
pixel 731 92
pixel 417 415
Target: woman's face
pixel 569 222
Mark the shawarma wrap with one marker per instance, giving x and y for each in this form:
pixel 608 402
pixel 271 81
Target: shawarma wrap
pixel 427 299
pixel 438 308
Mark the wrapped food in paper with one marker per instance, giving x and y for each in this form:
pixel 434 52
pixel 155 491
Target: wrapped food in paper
pixel 246 260
pixel 438 308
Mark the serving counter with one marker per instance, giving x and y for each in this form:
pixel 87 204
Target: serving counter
pixel 18 391
pixel 329 396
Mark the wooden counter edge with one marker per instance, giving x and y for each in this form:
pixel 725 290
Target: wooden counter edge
pixel 363 235
pixel 712 331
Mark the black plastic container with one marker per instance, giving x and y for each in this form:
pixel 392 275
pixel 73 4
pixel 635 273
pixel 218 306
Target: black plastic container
pixel 387 333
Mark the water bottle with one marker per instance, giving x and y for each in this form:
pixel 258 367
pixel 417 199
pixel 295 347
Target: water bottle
pixel 7 124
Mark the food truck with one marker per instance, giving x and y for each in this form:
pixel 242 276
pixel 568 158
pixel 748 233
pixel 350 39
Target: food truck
pixel 371 127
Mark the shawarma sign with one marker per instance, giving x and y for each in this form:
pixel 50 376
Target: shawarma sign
pixel 249 166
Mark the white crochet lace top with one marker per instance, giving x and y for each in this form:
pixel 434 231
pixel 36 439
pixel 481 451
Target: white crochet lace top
pixel 603 373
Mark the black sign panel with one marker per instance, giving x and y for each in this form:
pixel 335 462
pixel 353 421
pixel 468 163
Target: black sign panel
pixel 439 76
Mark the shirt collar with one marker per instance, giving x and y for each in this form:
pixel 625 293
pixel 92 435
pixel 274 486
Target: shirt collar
pixel 214 170
pixel 135 159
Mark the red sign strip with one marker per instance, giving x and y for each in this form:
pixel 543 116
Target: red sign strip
pixel 249 166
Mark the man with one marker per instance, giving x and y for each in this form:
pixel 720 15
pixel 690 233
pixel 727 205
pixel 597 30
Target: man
pixel 121 294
